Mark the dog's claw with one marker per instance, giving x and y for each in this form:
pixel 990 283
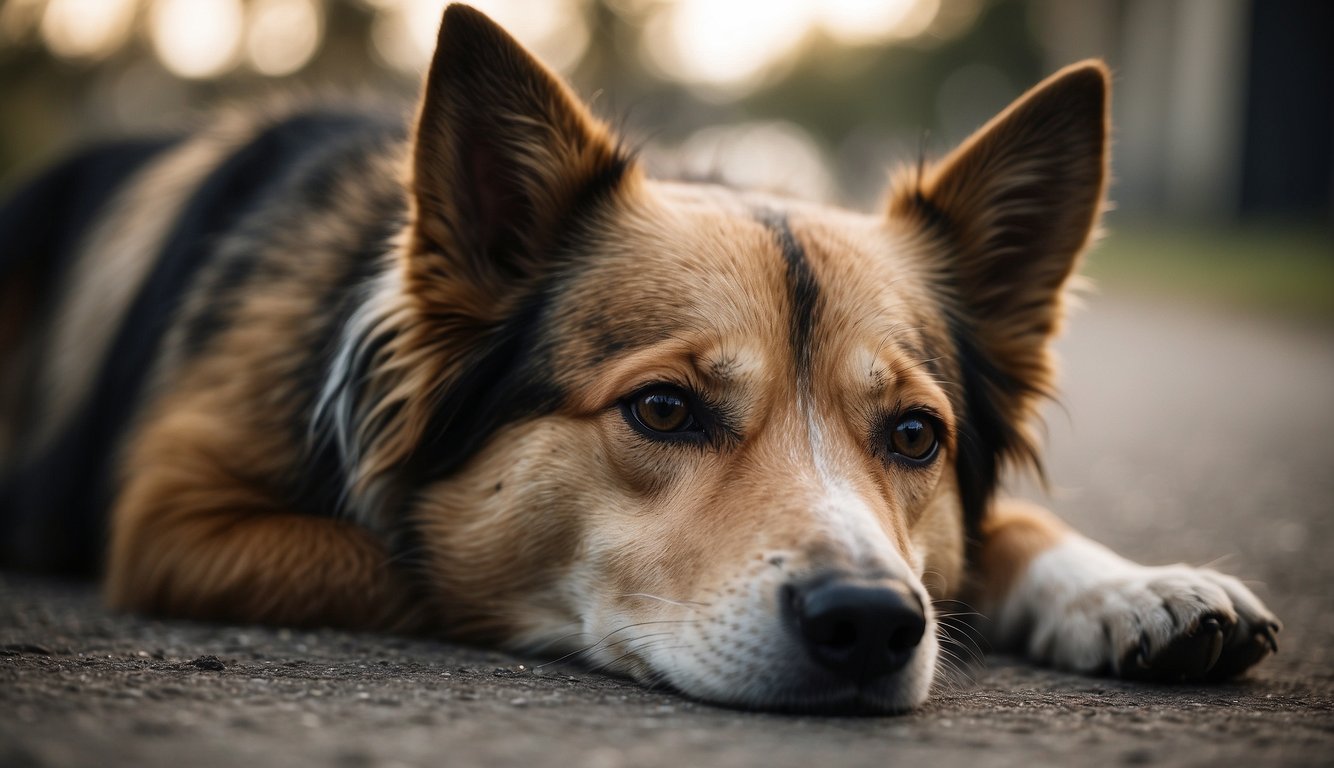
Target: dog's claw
pixel 1268 632
pixel 1211 625
pixel 1242 653
pixel 1191 655
pixel 1142 658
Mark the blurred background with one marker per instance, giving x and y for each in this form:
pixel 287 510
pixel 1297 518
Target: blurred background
pixel 1224 109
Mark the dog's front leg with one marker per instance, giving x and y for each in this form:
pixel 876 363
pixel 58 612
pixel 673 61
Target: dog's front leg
pixel 1067 601
pixel 195 535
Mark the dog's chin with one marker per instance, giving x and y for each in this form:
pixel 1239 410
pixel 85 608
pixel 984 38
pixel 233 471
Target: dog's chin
pixel 803 688
pixel 810 698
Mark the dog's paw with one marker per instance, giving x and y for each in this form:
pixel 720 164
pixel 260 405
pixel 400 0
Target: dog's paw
pixel 1172 623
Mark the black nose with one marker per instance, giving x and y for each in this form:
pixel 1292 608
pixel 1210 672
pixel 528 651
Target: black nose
pixel 857 629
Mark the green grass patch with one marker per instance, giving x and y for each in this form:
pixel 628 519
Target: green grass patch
pixel 1283 270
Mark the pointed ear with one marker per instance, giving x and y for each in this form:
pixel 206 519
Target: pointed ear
pixel 503 155
pixel 1017 202
pixel 1010 212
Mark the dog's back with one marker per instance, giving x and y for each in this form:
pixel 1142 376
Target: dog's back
pixel 102 254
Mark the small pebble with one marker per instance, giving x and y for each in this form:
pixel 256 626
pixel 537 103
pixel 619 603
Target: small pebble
pixel 209 663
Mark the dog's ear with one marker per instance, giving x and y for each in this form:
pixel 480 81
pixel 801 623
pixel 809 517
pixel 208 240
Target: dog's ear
pixel 504 164
pixel 1010 212
pixel 503 155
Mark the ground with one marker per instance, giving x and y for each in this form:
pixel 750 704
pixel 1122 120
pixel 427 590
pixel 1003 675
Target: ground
pixel 1186 434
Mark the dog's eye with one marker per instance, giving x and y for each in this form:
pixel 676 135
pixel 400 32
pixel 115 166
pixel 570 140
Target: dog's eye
pixel 914 438
pixel 663 410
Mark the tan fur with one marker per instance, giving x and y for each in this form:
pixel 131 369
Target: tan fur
pixel 940 537
pixel 1013 535
pixel 200 528
pixel 225 550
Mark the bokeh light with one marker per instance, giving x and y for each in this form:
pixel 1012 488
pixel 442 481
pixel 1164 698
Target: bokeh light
pixel 723 50
pixel 197 38
pixel 283 35
pixel 728 48
pixel 86 29
pixel 404 31
pixel 860 22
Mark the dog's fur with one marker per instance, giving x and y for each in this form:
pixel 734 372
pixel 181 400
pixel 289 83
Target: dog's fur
pixel 326 370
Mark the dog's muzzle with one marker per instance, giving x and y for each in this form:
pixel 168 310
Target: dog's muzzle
pixel 859 630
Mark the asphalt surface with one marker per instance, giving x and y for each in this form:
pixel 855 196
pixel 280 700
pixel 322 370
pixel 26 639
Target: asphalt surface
pixel 1185 435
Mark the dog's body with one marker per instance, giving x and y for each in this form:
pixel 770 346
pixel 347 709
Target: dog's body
pixel 728 442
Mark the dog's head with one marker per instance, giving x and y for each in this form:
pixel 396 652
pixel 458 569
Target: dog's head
pixel 723 441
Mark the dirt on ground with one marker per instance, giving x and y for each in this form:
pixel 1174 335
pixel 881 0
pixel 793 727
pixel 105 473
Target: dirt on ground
pixel 1186 435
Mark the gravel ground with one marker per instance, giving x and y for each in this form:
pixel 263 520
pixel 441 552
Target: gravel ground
pixel 1185 435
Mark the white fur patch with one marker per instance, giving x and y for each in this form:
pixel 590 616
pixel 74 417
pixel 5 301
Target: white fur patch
pixel 338 410
pixel 847 517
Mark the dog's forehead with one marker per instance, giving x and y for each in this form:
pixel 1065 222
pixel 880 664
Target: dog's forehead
pixel 874 279
pixel 727 272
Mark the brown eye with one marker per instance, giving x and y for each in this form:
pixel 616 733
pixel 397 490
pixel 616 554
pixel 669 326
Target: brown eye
pixel 665 411
pixel 914 438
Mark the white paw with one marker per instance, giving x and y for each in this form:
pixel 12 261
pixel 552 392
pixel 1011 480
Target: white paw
pixel 1094 612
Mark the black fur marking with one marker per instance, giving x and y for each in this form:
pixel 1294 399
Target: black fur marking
pixel 509 381
pixel 41 229
pixel 986 435
pixel 932 217
pixel 803 290
pixel 981 431
pixel 513 377
pixel 44 220
pixel 337 147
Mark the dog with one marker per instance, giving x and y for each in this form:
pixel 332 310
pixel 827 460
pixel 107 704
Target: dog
pixel 476 373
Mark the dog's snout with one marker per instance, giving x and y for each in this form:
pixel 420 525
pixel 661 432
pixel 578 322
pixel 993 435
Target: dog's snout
pixel 858 629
